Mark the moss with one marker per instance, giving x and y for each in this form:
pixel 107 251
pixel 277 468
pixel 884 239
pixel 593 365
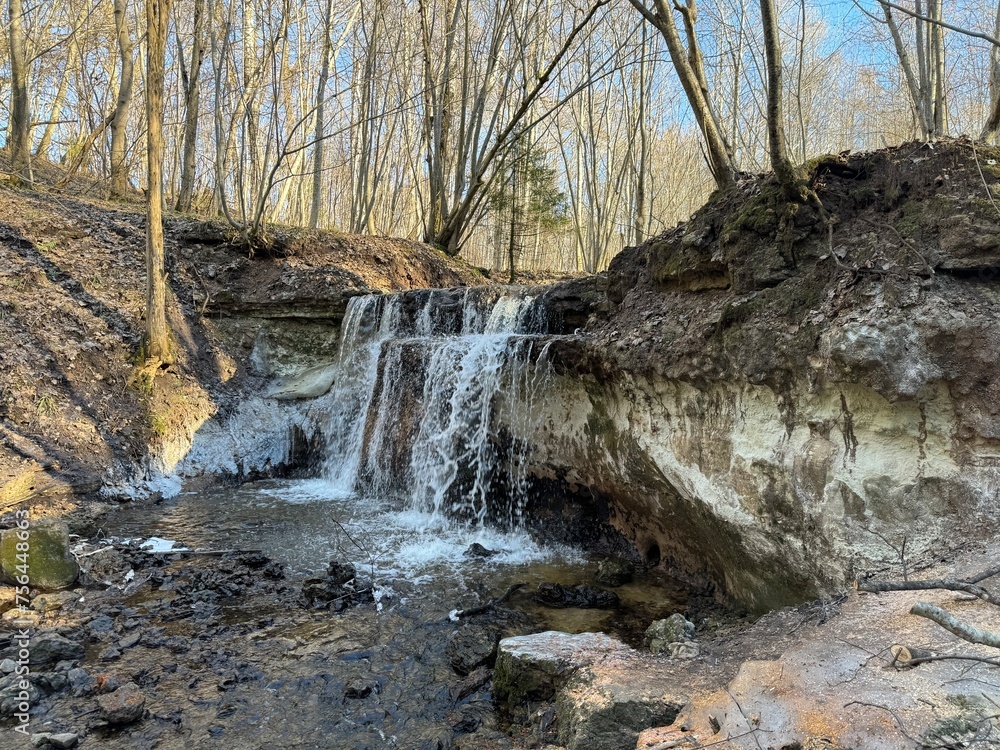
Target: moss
pixel 49 562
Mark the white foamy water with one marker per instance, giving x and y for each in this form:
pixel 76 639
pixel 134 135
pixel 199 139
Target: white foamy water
pixel 412 414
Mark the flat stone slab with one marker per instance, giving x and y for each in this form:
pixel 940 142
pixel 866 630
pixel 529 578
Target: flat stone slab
pixel 536 666
pixel 307 384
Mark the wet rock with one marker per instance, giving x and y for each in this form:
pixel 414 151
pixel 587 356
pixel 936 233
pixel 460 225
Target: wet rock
pixel 661 634
pixel 48 648
pixel 472 646
pixel 129 641
pixel 105 567
pixel 535 666
pixel 63 740
pixel 584 597
pixel 80 681
pixel 338 589
pixel 475 681
pixel 101 625
pixel 51 565
pixel 124 706
pixel 357 689
pixel 612 572
pixel 13 695
pixel 477 550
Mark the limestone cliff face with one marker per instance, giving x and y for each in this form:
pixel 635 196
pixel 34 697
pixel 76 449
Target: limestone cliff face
pixel 778 416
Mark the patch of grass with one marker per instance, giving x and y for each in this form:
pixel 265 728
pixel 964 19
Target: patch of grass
pixel 157 424
pixel 46 405
pixel 142 383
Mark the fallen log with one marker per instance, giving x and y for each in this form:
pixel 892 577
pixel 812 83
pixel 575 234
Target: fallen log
pixel 949 622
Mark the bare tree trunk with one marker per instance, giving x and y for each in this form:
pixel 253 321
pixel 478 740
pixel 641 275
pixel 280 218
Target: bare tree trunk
pixel 777 149
pixel 20 114
pixel 640 219
pixel 690 70
pixel 993 122
pixel 192 99
pixel 119 165
pixel 324 75
pixel 157 335
pixel 72 53
pixel 916 95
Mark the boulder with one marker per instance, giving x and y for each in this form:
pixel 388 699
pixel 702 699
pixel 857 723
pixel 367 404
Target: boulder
pixel 49 562
pixel 534 667
pixel 605 707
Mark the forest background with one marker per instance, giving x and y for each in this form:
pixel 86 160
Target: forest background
pixel 540 133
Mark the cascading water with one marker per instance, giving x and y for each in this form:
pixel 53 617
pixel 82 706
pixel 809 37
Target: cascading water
pixel 412 413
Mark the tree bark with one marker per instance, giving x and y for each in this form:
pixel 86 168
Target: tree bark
pixel 949 622
pixel 318 137
pixel 119 165
pixel 20 114
pixel 157 342
pixel 192 99
pixel 777 149
pixel 688 63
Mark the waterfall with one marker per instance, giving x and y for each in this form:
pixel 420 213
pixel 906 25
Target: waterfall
pixel 412 413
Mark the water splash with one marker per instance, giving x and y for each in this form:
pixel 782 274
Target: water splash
pixel 413 411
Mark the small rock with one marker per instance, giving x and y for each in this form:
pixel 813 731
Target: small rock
pixel 357 689
pixel 674 629
pixel 106 683
pixel 45 603
pixel 48 648
pixel 477 550
pixel 11 696
pixel 20 619
pixel 129 641
pixel 63 740
pixel 584 597
pixel 340 573
pixel 684 649
pixel 475 681
pixel 80 681
pixel 612 572
pixel 51 565
pixel 8 598
pixel 100 625
pixel 124 706
pixel 7 666
pixel 40 739
pixel 109 654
